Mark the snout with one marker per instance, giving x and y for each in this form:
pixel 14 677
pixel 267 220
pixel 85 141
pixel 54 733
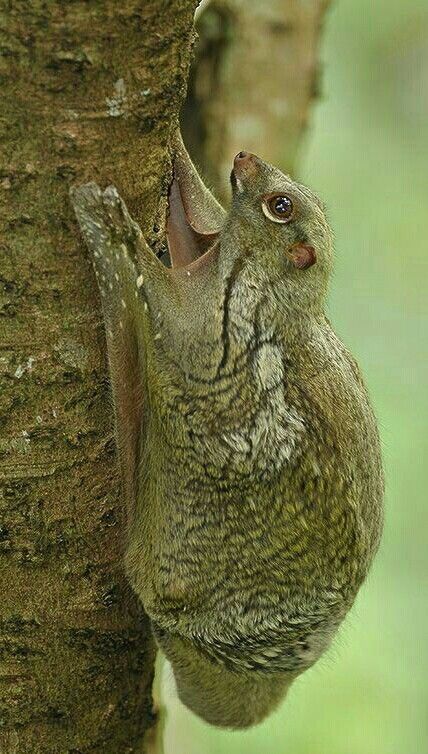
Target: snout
pixel 245 164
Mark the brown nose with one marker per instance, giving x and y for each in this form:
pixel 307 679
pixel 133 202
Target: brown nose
pixel 245 165
pixel 242 159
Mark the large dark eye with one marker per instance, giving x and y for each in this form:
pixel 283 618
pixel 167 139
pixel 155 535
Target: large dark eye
pixel 281 206
pixel 278 207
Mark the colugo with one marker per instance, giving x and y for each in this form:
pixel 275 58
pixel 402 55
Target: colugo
pixel 249 451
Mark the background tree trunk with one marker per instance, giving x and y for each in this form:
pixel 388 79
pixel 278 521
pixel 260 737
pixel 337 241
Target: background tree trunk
pixel 89 91
pixel 252 83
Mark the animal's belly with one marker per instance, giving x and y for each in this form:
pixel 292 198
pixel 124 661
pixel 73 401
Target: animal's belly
pixel 252 439
pixel 261 446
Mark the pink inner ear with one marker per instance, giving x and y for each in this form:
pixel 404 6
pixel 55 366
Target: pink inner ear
pixel 302 256
pixel 185 243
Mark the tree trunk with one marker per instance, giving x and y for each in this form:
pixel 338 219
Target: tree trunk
pixel 253 81
pixel 89 91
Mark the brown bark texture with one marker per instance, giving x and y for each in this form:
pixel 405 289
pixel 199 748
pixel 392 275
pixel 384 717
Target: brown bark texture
pixel 253 81
pixel 90 90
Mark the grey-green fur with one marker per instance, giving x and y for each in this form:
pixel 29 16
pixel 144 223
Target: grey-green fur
pixel 250 453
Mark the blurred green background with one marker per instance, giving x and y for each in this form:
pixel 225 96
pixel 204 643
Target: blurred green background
pixel 367 157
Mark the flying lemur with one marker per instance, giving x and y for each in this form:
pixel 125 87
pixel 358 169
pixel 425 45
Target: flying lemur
pixel 249 451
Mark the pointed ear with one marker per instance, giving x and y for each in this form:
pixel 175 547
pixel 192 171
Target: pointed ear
pixel 203 211
pixel 110 236
pixel 302 256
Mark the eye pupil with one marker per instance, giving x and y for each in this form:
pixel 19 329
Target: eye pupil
pixel 282 205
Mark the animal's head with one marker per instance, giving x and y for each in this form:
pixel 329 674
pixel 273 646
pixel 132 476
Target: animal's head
pixel 282 226
pixel 278 225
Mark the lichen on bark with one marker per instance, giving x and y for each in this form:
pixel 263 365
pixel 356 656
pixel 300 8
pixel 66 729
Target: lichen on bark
pixel 89 91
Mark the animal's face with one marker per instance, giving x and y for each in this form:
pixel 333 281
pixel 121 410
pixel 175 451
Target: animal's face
pixel 283 226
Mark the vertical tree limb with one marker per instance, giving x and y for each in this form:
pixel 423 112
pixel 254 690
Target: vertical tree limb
pixel 253 81
pixel 89 91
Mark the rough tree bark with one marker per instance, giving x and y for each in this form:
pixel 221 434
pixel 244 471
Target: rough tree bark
pixel 89 90
pixel 253 81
